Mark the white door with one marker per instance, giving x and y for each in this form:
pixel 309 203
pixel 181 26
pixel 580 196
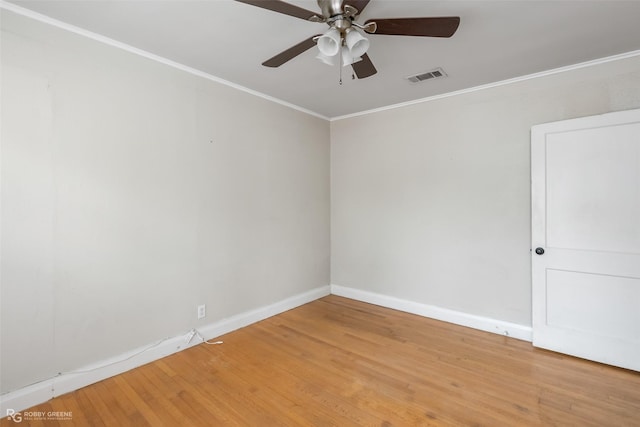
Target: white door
pixel 586 237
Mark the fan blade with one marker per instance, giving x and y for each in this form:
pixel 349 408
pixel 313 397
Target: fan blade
pixel 364 68
pixel 291 53
pixel 282 7
pixel 444 26
pixel 358 4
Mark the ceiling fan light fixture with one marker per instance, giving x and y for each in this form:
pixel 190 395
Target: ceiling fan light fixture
pixel 329 43
pixel 356 42
pixel 345 32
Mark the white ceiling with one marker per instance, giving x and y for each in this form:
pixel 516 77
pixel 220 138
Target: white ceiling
pixel 496 40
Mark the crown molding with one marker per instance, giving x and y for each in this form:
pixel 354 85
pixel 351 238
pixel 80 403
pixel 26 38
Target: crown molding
pixel 111 42
pixel 526 77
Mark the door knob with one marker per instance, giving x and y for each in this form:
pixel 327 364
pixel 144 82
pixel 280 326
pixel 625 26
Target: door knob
pixel 539 251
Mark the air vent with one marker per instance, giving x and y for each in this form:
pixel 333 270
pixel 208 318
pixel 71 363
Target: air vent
pixel 433 74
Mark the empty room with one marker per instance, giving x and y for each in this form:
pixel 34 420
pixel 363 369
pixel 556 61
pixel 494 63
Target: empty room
pixel 320 213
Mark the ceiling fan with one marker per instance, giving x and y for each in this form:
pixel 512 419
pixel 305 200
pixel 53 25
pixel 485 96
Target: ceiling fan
pixel 343 42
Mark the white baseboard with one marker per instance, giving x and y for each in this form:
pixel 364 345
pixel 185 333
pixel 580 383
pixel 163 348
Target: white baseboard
pixel 244 319
pixel 43 391
pixel 487 324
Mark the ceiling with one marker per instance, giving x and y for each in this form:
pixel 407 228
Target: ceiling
pixel 496 40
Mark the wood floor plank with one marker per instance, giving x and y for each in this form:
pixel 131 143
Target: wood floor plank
pixel 137 398
pixel 341 382
pixel 98 403
pixel 368 365
pixel 340 362
pixel 110 403
pixel 277 377
pixel 126 405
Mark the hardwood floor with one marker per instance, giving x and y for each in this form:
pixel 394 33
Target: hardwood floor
pixel 338 362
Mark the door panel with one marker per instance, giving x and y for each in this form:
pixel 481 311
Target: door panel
pixel 586 217
pixel 592 204
pixel 582 302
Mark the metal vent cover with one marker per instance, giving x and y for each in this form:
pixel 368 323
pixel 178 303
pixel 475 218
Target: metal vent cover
pixel 433 74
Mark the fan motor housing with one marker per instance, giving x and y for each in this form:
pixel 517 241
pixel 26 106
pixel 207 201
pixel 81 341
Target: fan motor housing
pixel 330 8
pixel 341 24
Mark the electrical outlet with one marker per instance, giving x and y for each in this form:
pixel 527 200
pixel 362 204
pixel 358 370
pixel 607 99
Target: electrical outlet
pixel 202 311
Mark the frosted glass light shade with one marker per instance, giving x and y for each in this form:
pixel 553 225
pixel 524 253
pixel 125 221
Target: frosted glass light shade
pixel 329 60
pixel 347 58
pixel 329 42
pixel 356 43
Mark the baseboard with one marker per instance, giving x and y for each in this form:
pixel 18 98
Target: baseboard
pixel 43 391
pixel 487 324
pixel 244 319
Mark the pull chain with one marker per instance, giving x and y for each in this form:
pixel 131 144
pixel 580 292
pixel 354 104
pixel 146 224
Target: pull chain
pixel 340 63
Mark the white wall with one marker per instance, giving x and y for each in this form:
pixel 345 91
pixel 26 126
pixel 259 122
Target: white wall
pixel 431 202
pixel 132 192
